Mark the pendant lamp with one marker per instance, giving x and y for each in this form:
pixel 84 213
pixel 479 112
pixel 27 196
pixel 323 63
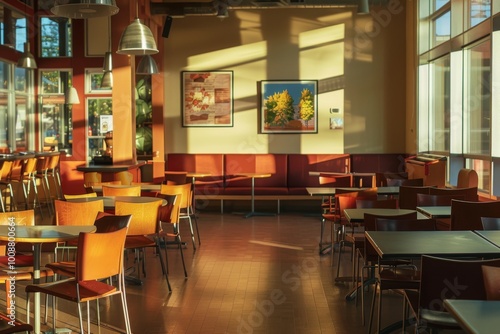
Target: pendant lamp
pixel 84 9
pixel 72 96
pixel 363 7
pixel 137 39
pixel 27 60
pixel 107 80
pixel 147 66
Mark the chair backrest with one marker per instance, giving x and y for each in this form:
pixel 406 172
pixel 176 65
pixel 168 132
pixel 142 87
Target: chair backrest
pixel 469 194
pixel 388 224
pixel 413 183
pixel 466 215
pixel 144 216
pixel 77 213
pixel 436 200
pixel 170 212
pixel 451 279
pixel 491 279
pixel 389 203
pixel 408 196
pixel 467 178
pixel 111 190
pixel 124 177
pixel 333 180
pixel 106 222
pixel 85 195
pixel 172 177
pixel 176 189
pixel 6 169
pixel 490 223
pixel 91 178
pixel 347 200
pixel 100 255
pixel 25 217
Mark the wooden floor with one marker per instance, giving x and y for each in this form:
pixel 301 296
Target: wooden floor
pixel 258 275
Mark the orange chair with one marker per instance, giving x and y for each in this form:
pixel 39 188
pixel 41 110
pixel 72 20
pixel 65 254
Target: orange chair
pixel 99 256
pixel 143 231
pixel 111 190
pixel 185 205
pixel 467 178
pixel 169 214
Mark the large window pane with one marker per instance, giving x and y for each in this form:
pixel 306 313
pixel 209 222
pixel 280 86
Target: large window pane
pixel 13 30
pixel 442 28
pixel 480 10
pixel 440 3
pixel 55 37
pixel 477 98
pixel 4 122
pixel 56 122
pixel 439 131
pixel 483 169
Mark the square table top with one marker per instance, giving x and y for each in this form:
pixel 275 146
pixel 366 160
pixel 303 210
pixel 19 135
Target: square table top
pixel 414 244
pixel 491 235
pixel 475 316
pixel 435 211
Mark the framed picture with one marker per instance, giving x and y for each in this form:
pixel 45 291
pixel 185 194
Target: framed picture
pixel 93 78
pixel 207 98
pixel 289 106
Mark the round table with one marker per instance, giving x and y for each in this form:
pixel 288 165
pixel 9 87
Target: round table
pixel 254 176
pixel 37 235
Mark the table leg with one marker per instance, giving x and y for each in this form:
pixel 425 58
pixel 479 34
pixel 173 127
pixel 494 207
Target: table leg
pixel 36 279
pixel 253 213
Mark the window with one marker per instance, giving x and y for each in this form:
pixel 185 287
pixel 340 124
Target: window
pixel 480 10
pixel 13 30
pixel 477 98
pixel 439 118
pixel 16 108
pixel 55 37
pixel 56 126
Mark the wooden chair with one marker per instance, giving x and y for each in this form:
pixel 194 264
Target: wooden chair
pixel 367 255
pixel 426 303
pixel 408 196
pixel 491 279
pixel 99 256
pixel 436 200
pixel 185 205
pixel 169 214
pixel 490 223
pixel 466 215
pixel 467 178
pixel 142 232
pixel 468 194
pixel 126 190
pixel 396 280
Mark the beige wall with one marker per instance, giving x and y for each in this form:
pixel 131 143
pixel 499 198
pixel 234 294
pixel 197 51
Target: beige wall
pixel 359 62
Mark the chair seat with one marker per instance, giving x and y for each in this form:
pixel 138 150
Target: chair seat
pixel 89 290
pixel 21 260
pixel 138 241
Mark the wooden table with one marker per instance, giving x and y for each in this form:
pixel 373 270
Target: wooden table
pixel 414 244
pixel 435 211
pixel 109 201
pixel 37 235
pixel 475 316
pixel 253 176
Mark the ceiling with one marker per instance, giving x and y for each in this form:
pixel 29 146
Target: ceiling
pixel 180 8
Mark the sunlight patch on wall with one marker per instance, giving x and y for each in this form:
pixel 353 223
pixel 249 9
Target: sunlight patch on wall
pixel 225 58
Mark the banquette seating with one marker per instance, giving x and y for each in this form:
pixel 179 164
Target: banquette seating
pixel 291 174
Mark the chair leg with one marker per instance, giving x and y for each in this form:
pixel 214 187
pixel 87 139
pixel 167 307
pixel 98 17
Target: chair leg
pixel 192 232
pixel 182 255
pixel 193 214
pixel 372 310
pixel 79 319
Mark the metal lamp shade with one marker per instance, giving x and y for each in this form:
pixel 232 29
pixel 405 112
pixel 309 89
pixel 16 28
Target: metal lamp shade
pixel 107 80
pixel 108 62
pixel 84 9
pixel 137 40
pixel 363 7
pixel 27 60
pixel 146 66
pixel 72 96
